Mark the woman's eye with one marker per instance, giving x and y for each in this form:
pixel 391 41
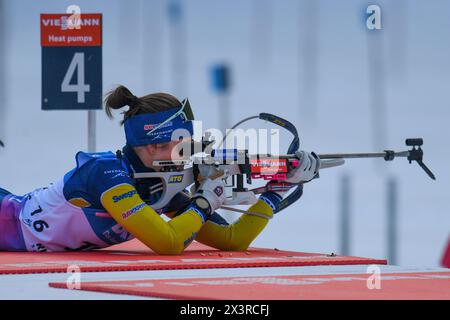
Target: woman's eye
pixel 164 146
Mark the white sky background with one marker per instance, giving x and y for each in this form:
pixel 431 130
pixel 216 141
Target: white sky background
pixel 41 145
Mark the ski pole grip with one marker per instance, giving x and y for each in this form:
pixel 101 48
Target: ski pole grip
pixel 414 142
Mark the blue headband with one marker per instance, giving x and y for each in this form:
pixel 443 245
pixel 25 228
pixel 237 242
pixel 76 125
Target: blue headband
pixel 138 127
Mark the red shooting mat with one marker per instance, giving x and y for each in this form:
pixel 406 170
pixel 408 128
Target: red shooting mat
pixel 420 285
pixel 133 255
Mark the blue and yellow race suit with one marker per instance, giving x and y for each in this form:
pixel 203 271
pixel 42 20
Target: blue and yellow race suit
pixel 98 204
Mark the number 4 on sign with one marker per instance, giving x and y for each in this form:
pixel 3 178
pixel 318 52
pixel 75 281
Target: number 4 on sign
pixel 80 88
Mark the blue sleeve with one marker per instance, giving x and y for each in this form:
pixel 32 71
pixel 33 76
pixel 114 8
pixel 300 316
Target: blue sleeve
pixel 273 199
pixel 104 175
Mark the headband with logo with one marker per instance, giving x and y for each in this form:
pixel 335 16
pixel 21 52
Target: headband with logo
pixel 153 128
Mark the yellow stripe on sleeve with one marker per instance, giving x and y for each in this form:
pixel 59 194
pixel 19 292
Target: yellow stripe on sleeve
pixel 127 208
pixel 239 235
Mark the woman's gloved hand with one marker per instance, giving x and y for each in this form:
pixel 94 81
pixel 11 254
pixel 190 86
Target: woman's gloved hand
pixel 307 170
pixel 210 195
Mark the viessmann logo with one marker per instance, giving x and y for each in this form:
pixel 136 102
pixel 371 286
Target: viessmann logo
pixel 64 24
pixel 268 163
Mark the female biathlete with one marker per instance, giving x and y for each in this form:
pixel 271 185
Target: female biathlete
pixel 98 203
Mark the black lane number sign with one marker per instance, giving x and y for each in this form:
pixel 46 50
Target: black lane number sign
pixel 71 61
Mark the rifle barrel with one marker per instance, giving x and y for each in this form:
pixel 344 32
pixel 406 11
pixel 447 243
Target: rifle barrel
pixel 361 155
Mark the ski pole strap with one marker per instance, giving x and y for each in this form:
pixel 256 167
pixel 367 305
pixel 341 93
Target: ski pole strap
pixel 293 147
pixel 295 144
pixel 290 199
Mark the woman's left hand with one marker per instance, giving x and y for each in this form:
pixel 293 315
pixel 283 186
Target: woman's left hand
pixel 307 170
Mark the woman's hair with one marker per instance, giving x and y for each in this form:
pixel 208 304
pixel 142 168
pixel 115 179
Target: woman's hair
pixel 151 103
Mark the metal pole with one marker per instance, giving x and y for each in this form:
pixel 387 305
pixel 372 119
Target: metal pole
pixel 345 216
pixel 308 60
pixel 224 123
pixel 261 23
pixel 129 25
pixel 221 83
pixel 129 45
pixel 392 190
pixel 397 41
pixel 177 35
pixel 377 89
pixel 152 42
pixel 224 112
pixel 91 131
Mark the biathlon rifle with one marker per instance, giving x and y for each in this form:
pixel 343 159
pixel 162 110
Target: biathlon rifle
pixel 242 167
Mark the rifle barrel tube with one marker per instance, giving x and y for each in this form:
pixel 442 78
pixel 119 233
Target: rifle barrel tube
pixel 360 155
pixel 336 155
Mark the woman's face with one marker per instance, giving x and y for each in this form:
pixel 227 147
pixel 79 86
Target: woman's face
pixel 164 151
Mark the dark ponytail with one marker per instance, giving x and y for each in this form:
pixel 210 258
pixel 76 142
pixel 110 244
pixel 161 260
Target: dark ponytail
pixel 151 103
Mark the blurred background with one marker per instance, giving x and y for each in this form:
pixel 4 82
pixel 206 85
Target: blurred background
pixel 346 88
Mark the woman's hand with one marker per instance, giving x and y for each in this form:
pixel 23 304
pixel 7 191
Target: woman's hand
pixel 308 169
pixel 210 195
